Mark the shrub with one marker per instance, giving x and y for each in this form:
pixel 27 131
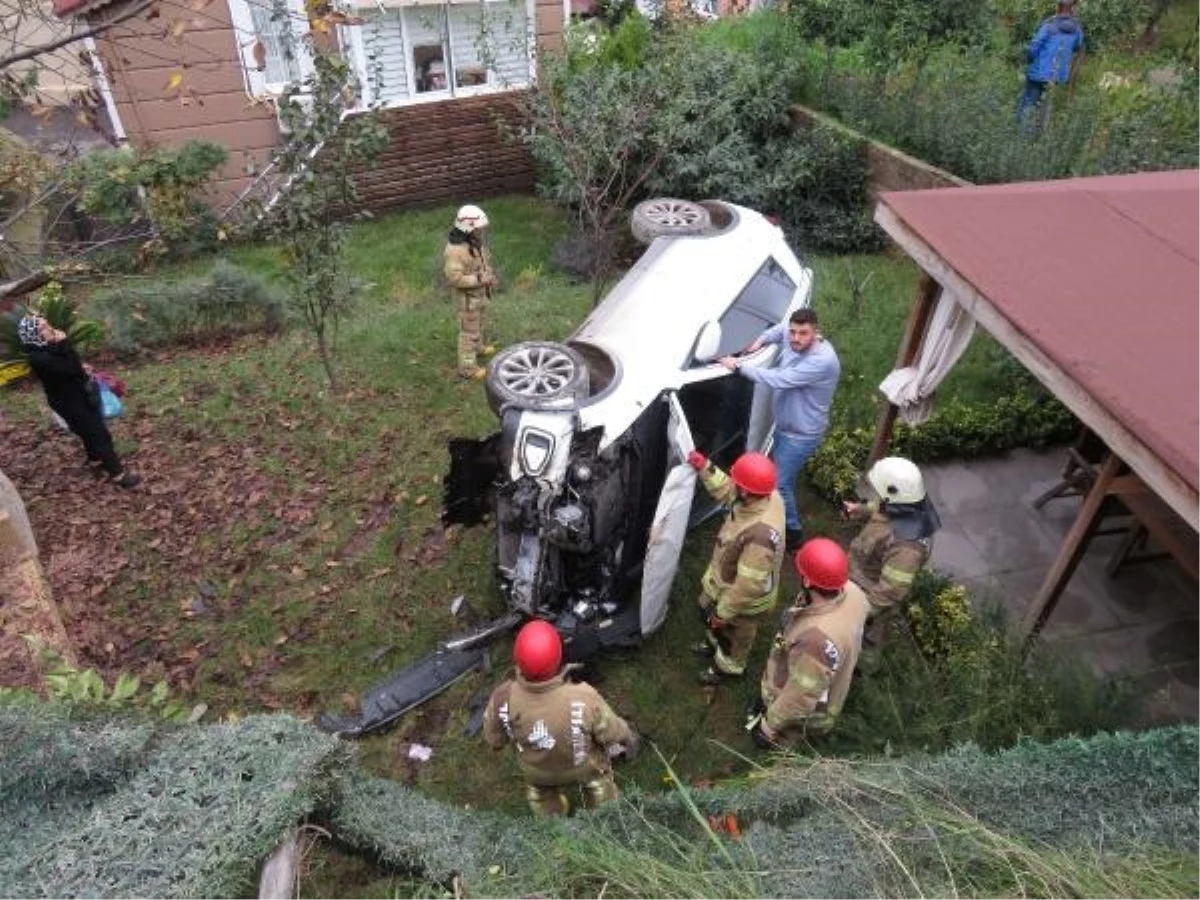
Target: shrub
pixel 1025 418
pixel 955 108
pixel 57 309
pixel 1106 23
pixel 230 300
pixel 953 670
pixel 172 214
pixel 711 121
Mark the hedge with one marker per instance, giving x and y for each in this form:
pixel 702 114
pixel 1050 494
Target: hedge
pixel 1027 418
pixel 107 809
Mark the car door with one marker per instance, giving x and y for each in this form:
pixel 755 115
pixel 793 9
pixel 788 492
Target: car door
pixel 670 525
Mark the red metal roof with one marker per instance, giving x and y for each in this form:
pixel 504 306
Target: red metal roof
pixel 1101 275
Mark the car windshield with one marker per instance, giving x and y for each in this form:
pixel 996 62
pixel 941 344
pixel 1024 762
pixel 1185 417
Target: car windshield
pixel 762 303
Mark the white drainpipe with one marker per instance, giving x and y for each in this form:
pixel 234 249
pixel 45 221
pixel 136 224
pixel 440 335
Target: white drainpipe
pixel 110 104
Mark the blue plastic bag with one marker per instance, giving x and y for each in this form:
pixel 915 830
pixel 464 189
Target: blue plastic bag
pixel 110 403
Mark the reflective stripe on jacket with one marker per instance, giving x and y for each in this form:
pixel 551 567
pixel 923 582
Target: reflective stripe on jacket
pixel 812 660
pixel 883 565
pixel 742 578
pixel 560 728
pixel 466 268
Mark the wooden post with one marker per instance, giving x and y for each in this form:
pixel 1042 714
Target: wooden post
pixel 910 345
pixel 1072 549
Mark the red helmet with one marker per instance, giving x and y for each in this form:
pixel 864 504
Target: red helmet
pixel 823 564
pixel 538 650
pixel 754 474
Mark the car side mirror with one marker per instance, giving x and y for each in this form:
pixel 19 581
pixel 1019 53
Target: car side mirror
pixel 708 342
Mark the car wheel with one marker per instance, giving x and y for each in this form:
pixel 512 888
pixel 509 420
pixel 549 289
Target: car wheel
pixel 668 216
pixel 536 375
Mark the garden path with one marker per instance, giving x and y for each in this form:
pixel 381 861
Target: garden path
pixel 1143 623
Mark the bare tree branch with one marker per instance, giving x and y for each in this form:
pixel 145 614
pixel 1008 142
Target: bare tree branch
pixel 51 46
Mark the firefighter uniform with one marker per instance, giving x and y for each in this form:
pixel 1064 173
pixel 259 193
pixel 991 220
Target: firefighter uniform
pixel 741 584
pixel 884 565
pixel 811 664
pixel 469 271
pixel 564 733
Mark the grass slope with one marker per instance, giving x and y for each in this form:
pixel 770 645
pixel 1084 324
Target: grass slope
pixel 286 552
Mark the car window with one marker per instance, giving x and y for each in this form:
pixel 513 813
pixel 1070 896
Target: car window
pixel 762 303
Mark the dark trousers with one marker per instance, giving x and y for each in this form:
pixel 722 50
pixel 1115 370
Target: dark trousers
pixel 88 425
pixel 1028 107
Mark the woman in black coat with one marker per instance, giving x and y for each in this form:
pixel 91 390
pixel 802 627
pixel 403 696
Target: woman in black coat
pixel 66 382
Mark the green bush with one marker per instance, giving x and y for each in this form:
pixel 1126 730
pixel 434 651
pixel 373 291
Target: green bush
pixel 953 671
pixel 1027 418
pixel 954 107
pixel 1106 23
pixel 229 300
pixel 100 808
pixel 128 808
pixel 57 309
pixel 159 190
pixel 711 121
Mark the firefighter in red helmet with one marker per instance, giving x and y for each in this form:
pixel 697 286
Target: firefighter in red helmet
pixel 812 658
pixel 564 732
pixel 741 583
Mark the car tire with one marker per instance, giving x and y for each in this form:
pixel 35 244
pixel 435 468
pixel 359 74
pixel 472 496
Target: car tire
pixel 536 375
pixel 667 216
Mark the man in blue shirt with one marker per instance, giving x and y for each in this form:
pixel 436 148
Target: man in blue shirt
pixel 804 382
pixel 1054 56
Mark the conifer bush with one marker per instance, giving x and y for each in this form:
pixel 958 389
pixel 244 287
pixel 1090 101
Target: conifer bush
pixel 229 300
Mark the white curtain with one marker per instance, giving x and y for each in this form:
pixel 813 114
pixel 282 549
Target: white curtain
pixel 911 388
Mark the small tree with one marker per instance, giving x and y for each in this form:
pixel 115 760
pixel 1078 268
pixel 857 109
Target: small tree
pixel 590 128
pixel 307 216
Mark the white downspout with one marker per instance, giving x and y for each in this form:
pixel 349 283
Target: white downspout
pixel 110 103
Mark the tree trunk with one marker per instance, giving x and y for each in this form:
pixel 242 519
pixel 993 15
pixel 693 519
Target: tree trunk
pixel 326 357
pixel 28 610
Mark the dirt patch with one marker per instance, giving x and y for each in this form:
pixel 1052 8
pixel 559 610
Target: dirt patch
pixel 417 741
pixel 85 528
pixel 378 515
pixel 432 549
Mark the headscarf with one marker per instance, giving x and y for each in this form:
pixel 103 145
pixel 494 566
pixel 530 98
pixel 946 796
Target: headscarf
pixel 29 331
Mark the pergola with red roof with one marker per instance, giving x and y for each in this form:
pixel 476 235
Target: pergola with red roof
pixel 1092 284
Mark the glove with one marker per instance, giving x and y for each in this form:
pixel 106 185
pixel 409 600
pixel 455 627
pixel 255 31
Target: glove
pixel 633 746
pixel 628 750
pixel 715 622
pixel 697 460
pixel 759 737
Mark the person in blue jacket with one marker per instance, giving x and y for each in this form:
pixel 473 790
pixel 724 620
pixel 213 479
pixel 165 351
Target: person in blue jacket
pixel 1054 56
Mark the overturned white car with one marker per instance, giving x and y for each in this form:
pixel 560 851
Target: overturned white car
pixel 585 479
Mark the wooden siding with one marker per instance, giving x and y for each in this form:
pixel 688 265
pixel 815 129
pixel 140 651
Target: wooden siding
pixel 440 151
pixel 448 152
pixel 548 26
pixel 211 104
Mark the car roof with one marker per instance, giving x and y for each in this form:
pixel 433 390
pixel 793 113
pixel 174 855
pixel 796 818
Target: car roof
pixel 648 323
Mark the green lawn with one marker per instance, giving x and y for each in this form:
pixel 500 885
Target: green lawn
pixel 313 519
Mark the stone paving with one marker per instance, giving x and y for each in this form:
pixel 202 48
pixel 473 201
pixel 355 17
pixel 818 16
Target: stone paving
pixel 1143 623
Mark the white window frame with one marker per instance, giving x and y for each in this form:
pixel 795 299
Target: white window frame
pixel 355 44
pixel 246 36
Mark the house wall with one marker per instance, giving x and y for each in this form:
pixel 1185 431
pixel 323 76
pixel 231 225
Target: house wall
pixel 211 103
pixel 61 73
pixel 452 151
pixel 439 151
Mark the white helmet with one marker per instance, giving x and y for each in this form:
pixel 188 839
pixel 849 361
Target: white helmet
pixel 897 479
pixel 470 218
